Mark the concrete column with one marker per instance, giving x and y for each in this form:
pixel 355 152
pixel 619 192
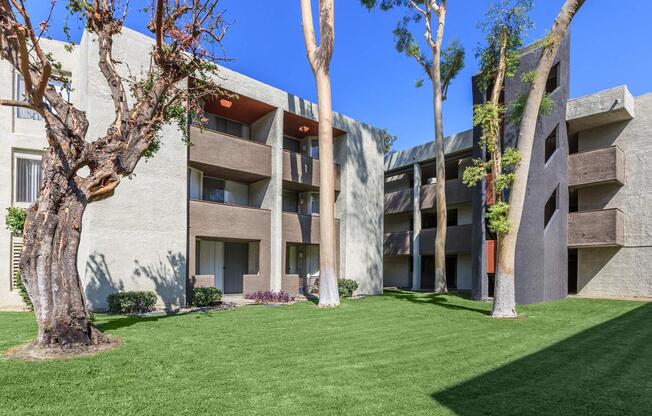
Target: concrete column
pixel 416 232
pixel 276 193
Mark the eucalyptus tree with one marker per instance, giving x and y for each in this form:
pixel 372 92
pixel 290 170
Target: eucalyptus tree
pixel 182 31
pixel 319 57
pixel 527 112
pixel 506 24
pixel 441 66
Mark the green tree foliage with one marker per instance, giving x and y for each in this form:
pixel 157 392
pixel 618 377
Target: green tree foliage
pixel 15 220
pixel 452 56
pixel 506 23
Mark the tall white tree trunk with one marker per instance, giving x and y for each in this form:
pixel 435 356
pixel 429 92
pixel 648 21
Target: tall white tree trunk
pixel 440 156
pixel 319 58
pixel 505 293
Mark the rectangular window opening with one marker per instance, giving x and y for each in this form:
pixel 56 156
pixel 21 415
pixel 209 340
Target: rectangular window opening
pixel 551 207
pixel 551 145
pixel 553 79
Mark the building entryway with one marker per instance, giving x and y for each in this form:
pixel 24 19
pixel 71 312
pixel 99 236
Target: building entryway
pixel 428 272
pixel 572 271
pixel 303 260
pixel 227 261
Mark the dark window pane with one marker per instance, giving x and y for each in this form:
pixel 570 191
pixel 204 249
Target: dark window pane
pixel 551 144
pixel 315 203
pixel 291 144
pixel 451 218
pixel 28 179
pixel 553 79
pixel 314 149
pixel 290 201
pixel 234 128
pixel 213 190
pixel 550 208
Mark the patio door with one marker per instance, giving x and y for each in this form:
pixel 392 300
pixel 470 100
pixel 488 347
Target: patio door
pixel 211 261
pixel 236 265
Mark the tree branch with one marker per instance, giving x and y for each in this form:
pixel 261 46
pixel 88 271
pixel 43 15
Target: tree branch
pixel 309 33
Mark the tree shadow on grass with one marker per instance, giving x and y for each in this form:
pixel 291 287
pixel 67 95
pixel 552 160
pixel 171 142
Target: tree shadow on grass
pixel 124 321
pixel 451 300
pixel 602 370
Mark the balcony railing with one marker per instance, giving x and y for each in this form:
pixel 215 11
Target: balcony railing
pixel 598 228
pixel 602 166
pixel 458 240
pixel 304 170
pixel 218 220
pixel 398 243
pixel 401 201
pixel 300 228
pixel 232 157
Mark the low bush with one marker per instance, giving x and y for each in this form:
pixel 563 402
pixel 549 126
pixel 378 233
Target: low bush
pixel 15 220
pixel 206 296
pixel 346 287
pixel 131 302
pixel 22 291
pixel 269 297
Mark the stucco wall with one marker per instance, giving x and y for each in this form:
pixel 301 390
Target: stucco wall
pixel 396 271
pixel 622 271
pixel 135 240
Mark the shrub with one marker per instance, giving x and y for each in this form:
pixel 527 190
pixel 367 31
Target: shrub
pixel 346 287
pixel 270 297
pixel 131 302
pixel 22 291
pixel 15 220
pixel 206 296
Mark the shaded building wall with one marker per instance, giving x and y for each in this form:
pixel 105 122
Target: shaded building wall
pixel 541 251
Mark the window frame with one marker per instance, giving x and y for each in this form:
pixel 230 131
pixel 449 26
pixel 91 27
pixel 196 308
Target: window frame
pixel 25 155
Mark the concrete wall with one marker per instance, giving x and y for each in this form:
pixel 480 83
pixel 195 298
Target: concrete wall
pixel 541 252
pixel 135 240
pixel 627 270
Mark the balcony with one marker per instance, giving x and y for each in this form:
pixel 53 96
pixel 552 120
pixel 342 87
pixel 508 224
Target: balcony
pixel 599 228
pixel 398 201
pixel 401 201
pixel 217 220
pixel 458 240
pixel 605 107
pixel 304 170
pixel 603 166
pixel 456 193
pixel 299 228
pixel 229 157
pixel 398 243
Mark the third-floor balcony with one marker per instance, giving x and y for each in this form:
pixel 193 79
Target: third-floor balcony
pixel 401 201
pixel 602 166
pixel 230 157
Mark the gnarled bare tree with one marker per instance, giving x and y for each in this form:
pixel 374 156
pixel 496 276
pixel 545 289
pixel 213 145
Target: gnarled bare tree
pixel 442 66
pixel 319 58
pixel 48 263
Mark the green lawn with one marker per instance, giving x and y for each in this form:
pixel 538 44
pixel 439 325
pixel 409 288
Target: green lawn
pixel 401 353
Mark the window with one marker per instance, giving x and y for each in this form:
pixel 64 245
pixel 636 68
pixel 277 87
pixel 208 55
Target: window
pixel 290 201
pixel 223 125
pixel 553 79
pixel 315 203
pixel 428 221
pixel 28 178
pixel 314 149
pixel 451 217
pixel 26 113
pixel 551 144
pixel 291 144
pixel 213 190
pixel 551 207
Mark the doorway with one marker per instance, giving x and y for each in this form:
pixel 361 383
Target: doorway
pixel 572 271
pixel 226 261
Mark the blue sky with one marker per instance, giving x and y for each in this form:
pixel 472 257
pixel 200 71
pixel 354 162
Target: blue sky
pixel 373 83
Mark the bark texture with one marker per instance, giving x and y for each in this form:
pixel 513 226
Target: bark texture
pixel 505 293
pixel 319 58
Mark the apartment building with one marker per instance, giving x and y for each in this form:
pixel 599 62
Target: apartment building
pixel 585 228
pixel 238 209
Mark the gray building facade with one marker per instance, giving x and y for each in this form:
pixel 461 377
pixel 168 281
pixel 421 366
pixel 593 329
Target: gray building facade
pixel 584 229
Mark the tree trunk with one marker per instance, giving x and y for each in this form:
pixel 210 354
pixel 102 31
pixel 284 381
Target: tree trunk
pixel 49 265
pixel 328 292
pixel 504 306
pixel 440 168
